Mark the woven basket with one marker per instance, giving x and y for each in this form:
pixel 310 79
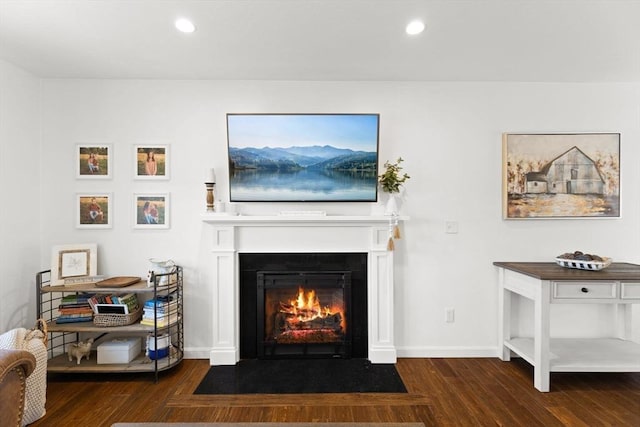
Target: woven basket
pixel 106 320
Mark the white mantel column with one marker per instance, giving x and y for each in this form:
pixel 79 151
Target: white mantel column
pixel 226 298
pixel 380 302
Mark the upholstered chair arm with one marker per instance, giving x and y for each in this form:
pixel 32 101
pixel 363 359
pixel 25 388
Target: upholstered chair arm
pixel 15 367
pixel 10 359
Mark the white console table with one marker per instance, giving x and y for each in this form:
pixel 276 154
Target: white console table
pixel 548 283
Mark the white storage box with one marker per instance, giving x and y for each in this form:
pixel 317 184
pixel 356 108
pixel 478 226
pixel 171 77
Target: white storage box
pixel 121 350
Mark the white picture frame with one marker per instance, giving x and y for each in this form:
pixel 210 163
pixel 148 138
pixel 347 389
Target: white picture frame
pixel 73 261
pixel 94 210
pixel 151 161
pixel 151 210
pixel 94 161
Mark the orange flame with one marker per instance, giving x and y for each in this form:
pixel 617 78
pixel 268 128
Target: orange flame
pixel 304 314
pixel 306 307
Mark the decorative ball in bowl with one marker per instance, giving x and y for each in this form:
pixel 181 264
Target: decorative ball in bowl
pixel 582 261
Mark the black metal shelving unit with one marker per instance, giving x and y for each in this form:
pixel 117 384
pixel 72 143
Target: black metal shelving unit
pixel 61 335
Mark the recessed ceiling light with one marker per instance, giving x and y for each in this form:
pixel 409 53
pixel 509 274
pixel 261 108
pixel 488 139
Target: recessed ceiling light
pixel 185 25
pixel 415 27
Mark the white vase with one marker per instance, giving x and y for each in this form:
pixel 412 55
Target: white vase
pixel 391 207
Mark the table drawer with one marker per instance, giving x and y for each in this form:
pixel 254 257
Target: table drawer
pixel 584 290
pixel 630 290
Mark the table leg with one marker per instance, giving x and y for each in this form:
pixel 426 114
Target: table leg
pixel 541 374
pixel 623 321
pixel 504 324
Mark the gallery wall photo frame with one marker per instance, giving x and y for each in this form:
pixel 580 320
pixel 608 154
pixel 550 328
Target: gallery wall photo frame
pixel 94 210
pixel 151 161
pixel 151 210
pixel 73 261
pixel 94 161
pixel 560 175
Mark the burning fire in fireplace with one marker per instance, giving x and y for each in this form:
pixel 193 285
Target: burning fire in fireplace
pixel 304 319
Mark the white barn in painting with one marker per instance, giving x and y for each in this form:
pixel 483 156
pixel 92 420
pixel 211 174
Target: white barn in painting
pixel 572 172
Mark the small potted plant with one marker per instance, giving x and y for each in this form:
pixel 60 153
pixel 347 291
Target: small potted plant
pixel 391 180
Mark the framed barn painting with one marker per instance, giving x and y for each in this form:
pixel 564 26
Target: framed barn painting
pixel 94 161
pixel 561 175
pixel 151 161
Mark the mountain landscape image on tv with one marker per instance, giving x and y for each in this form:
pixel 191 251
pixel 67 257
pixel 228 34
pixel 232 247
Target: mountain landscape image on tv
pixel 303 157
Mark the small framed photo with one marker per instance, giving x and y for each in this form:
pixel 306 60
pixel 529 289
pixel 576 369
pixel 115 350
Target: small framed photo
pixel 94 161
pixel 70 262
pixel 93 210
pixel 151 161
pixel 151 211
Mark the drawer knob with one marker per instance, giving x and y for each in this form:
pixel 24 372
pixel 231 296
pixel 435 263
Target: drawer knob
pixel 585 290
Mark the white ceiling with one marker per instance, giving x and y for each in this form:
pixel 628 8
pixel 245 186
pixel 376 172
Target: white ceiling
pixel 465 40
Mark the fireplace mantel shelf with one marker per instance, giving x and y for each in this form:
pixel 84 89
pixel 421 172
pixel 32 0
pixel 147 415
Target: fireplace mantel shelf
pixel 293 220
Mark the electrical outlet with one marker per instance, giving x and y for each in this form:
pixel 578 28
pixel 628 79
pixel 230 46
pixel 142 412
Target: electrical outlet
pixel 449 315
pixel 451 227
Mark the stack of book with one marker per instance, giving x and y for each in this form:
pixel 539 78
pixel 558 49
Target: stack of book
pixel 75 308
pixel 128 302
pixel 162 311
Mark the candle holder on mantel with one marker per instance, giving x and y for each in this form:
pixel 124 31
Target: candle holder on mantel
pixel 210 198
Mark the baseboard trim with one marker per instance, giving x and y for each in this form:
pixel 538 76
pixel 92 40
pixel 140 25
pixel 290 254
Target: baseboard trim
pixel 197 352
pixel 453 352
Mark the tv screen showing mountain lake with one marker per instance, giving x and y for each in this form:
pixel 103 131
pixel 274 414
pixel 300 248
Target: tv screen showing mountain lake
pixel 303 157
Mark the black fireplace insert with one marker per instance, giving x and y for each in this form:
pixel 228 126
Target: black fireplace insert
pixel 303 314
pixel 303 305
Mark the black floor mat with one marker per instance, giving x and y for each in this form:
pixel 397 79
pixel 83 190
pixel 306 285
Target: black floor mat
pixel 302 376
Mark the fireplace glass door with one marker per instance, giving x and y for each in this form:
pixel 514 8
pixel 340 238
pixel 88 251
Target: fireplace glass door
pixel 303 314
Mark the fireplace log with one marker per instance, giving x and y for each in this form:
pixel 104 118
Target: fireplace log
pixel 288 308
pixel 309 336
pixel 283 321
pixel 324 322
pixel 286 321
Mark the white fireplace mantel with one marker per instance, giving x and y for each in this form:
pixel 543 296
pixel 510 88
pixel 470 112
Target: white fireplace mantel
pixel 228 236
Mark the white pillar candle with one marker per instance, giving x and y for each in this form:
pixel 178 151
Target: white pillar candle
pixel 211 176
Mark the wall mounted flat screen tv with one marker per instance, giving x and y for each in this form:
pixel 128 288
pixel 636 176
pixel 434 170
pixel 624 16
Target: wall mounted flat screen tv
pixel 303 157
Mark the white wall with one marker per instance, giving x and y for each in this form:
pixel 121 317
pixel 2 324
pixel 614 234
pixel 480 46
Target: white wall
pixel 20 207
pixel 448 133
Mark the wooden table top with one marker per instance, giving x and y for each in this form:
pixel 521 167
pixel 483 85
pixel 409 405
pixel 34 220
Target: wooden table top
pixel 552 271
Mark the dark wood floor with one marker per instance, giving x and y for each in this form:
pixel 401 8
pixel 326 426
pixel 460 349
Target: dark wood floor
pixel 441 392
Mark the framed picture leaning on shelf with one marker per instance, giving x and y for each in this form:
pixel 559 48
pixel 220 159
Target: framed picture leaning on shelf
pixel 151 211
pixel 94 161
pixel 73 261
pixel 93 210
pixel 151 161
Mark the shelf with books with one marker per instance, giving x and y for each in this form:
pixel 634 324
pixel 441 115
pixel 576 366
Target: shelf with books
pixel 72 311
